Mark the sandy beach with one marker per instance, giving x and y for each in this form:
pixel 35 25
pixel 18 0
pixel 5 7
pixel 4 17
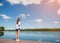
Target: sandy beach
pixel 21 41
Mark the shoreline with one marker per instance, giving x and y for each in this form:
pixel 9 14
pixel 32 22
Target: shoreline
pixel 31 31
pixel 21 41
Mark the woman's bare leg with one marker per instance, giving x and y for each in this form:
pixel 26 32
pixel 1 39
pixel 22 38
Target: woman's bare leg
pixel 17 35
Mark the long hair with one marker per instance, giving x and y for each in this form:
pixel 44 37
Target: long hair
pixel 18 20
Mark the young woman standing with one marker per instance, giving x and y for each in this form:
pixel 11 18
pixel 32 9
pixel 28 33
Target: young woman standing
pixel 17 29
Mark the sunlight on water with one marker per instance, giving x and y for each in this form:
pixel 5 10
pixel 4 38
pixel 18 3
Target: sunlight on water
pixel 57 40
pixel 39 40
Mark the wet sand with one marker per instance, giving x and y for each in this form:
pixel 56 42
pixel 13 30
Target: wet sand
pixel 21 41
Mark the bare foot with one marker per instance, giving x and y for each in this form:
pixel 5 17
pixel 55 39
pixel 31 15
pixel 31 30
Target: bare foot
pixel 17 40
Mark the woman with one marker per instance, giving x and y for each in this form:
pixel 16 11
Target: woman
pixel 17 29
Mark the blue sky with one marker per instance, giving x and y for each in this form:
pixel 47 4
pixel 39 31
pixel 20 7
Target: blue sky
pixel 33 13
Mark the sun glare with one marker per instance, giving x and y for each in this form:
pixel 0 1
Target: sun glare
pixel 58 1
pixel 53 2
pixel 50 1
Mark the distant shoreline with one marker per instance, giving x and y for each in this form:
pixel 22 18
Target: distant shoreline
pixel 42 29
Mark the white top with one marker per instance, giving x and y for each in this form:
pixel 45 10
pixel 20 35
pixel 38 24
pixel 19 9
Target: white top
pixel 18 25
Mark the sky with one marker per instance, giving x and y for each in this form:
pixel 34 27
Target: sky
pixel 33 13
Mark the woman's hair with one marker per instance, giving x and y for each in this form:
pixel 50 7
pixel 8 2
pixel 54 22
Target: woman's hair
pixel 18 20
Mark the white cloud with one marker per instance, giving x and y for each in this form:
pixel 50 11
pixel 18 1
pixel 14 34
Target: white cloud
pixel 24 2
pixel 28 15
pixel 14 1
pixel 38 20
pixel 56 22
pixel 24 15
pixel 5 17
pixel 1 4
pixel 58 11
